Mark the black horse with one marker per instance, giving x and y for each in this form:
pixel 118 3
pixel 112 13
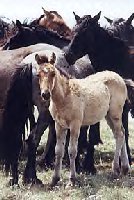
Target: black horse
pixel 16 99
pixel 105 53
pixel 28 35
pixel 119 27
pixel 122 28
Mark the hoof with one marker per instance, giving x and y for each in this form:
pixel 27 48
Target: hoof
pixel 71 183
pixel 13 183
pixel 54 181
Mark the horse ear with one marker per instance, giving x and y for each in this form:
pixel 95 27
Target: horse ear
pixel 53 58
pixel 47 13
pixel 13 23
pixel 77 17
pixel 129 20
pixel 97 17
pixel 18 24
pixel 108 20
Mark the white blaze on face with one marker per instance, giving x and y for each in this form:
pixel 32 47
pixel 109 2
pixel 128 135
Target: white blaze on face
pixel 43 79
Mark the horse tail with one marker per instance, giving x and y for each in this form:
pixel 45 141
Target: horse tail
pixel 130 88
pixel 15 116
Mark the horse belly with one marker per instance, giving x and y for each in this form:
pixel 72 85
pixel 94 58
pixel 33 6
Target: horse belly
pixel 96 107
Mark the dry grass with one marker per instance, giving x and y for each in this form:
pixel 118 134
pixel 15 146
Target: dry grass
pixel 99 187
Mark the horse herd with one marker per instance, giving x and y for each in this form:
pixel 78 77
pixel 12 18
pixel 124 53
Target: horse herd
pixel 40 66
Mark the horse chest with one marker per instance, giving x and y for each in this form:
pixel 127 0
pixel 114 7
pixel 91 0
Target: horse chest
pixel 64 114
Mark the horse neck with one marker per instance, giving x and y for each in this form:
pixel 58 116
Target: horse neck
pixel 21 53
pixel 52 38
pixel 59 88
pixel 59 42
pixel 112 56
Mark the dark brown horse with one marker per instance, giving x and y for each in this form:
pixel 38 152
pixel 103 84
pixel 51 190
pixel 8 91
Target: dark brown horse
pixel 51 20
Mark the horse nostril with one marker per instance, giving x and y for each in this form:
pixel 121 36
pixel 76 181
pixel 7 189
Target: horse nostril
pixel 46 95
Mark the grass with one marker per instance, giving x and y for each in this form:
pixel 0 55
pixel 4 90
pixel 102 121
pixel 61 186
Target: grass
pixel 99 187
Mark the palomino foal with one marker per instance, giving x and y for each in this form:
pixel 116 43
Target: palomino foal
pixel 84 102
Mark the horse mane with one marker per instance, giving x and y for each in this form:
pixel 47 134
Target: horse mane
pixel 54 34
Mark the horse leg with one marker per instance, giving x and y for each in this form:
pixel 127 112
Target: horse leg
pixel 59 152
pixel 125 125
pixel 72 150
pixel 94 139
pixel 115 123
pixel 33 142
pixel 124 158
pixel 14 172
pixel 32 119
pixel 14 160
pixel 82 145
pixel 48 155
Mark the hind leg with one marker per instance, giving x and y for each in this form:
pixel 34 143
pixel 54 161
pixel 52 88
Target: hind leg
pixel 124 160
pixel 125 125
pixel 115 122
pixel 94 139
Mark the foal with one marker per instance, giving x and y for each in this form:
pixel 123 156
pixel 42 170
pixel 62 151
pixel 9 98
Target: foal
pixel 84 102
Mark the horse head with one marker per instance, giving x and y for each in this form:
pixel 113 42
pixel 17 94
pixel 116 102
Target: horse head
pixel 25 36
pixel 122 28
pixel 53 21
pixel 46 73
pixel 84 38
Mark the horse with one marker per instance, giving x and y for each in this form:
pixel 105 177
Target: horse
pixel 15 98
pixel 51 20
pixel 74 103
pixel 114 55
pixel 122 28
pixel 81 69
pixel 27 35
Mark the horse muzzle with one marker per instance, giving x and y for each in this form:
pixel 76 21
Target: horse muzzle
pixel 46 95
